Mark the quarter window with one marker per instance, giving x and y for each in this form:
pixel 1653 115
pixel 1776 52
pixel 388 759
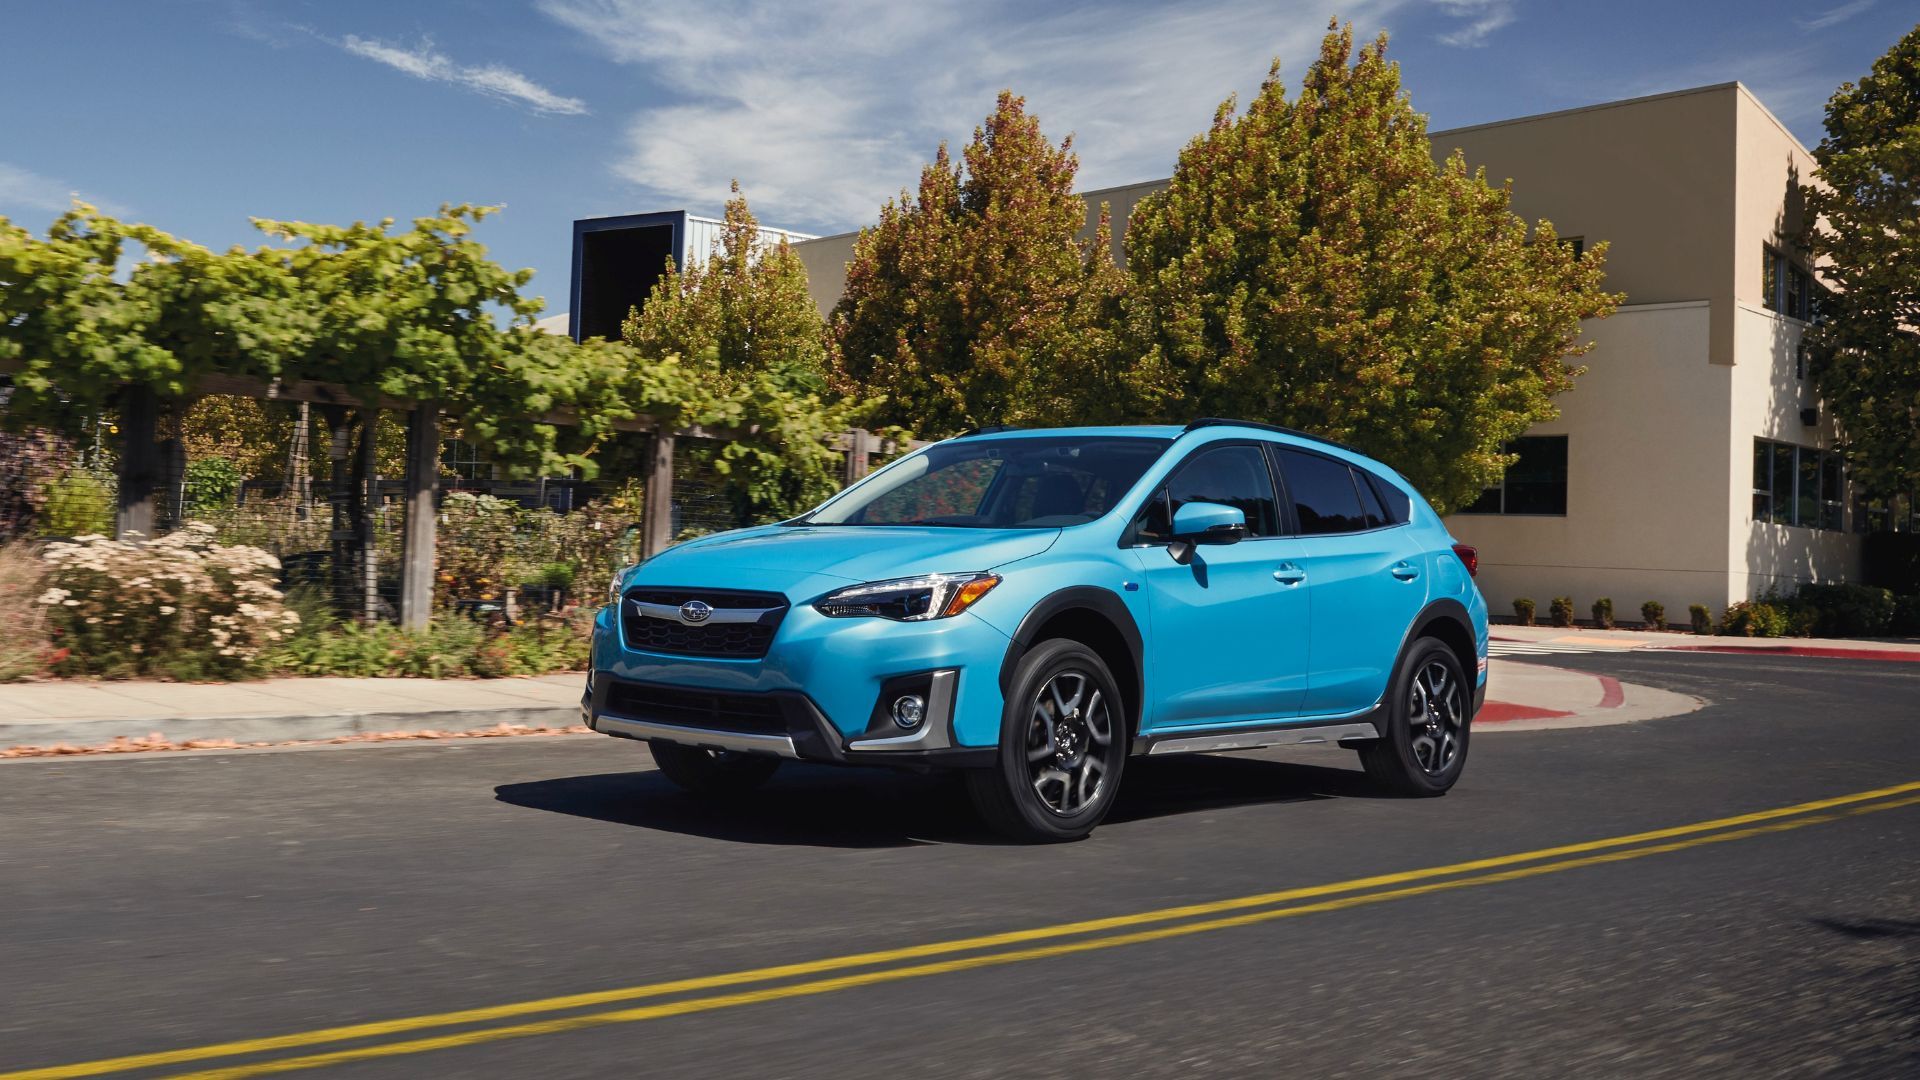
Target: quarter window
pixel 1324 496
pixel 1535 484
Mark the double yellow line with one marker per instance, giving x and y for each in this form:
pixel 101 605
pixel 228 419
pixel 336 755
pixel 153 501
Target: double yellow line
pixel 816 977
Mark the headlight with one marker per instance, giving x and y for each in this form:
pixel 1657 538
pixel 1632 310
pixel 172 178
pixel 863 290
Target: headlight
pixel 613 587
pixel 913 599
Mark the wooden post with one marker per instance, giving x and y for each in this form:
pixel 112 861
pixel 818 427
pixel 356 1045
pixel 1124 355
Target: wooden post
pixel 299 485
pixel 423 484
pixel 140 464
pixel 859 447
pixel 657 518
pixel 364 521
pixel 340 504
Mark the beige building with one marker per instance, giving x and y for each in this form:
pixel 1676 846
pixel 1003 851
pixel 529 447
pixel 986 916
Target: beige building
pixel 1690 463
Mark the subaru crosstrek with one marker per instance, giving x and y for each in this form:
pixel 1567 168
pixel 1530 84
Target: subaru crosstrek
pixel 1035 606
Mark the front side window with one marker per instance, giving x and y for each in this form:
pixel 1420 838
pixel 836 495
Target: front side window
pixel 1535 484
pixel 1233 475
pixel 1038 482
pixel 1324 495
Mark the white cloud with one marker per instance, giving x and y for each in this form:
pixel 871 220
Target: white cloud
pixel 825 112
pixel 424 62
pixel 22 189
pixel 1483 18
pixel 1835 16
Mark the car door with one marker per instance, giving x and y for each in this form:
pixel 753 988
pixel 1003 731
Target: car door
pixel 1366 577
pixel 1229 626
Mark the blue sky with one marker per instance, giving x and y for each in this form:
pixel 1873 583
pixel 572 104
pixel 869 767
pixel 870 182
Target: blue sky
pixel 195 116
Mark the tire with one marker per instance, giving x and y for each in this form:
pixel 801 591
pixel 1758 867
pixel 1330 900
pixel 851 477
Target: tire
pixel 711 772
pixel 1421 750
pixel 1055 781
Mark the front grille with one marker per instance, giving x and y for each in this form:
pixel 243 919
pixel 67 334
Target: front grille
pixel 711 710
pixel 722 640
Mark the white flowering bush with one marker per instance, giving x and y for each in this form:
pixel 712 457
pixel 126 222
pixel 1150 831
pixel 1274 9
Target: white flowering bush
pixel 179 607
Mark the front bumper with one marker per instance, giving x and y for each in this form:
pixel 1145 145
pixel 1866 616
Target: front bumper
pixel 825 676
pixel 785 724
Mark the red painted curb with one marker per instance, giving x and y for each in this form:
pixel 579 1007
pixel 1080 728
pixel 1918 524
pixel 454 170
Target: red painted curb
pixel 1891 655
pixel 1501 712
pixel 1611 696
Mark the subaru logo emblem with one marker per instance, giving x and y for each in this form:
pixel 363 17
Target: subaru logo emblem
pixel 695 611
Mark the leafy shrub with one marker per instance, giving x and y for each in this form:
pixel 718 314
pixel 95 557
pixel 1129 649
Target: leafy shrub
pixel 78 504
pixel 1562 611
pixel 1603 613
pixel 211 481
pixel 1702 619
pixel 1753 618
pixel 450 647
pixel 1654 614
pixel 1523 611
pixel 24 650
pixel 1906 617
pixel 1837 610
pixel 179 607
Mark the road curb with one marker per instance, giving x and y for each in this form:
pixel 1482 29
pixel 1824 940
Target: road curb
pixel 99 731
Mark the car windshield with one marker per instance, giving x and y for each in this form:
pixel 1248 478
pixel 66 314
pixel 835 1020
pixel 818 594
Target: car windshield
pixel 1029 482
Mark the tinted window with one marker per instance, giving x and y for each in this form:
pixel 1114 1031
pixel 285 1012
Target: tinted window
pixel 1399 505
pixel 1230 475
pixel 1369 501
pixel 1323 493
pixel 1007 483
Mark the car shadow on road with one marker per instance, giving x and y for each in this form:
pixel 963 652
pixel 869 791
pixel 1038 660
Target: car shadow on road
pixel 821 806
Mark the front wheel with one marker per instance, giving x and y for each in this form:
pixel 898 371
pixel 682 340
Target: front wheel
pixel 1423 729
pixel 1063 740
pixel 711 772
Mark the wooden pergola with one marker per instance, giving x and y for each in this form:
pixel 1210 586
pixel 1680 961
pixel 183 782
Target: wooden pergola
pixel 143 469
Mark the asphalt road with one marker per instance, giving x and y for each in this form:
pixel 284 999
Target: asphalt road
pixel 155 905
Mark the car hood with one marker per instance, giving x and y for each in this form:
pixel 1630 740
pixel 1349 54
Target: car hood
pixel 798 559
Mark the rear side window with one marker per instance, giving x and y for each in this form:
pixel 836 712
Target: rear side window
pixel 1324 496
pixel 1369 500
pixel 1233 475
pixel 1399 506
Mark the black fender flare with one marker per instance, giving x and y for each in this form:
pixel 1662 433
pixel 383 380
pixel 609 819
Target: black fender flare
pixel 1447 609
pixel 1102 603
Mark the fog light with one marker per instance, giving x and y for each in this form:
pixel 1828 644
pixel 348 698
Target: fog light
pixel 909 710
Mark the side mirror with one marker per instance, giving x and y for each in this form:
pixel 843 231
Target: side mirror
pixel 1209 523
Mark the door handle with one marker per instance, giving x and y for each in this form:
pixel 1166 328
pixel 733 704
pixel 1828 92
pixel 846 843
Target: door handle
pixel 1405 571
pixel 1289 574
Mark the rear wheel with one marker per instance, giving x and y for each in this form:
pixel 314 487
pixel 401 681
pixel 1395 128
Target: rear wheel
pixel 1063 740
pixel 1423 739
pixel 711 772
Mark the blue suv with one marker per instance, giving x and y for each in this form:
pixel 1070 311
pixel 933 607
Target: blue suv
pixel 1035 606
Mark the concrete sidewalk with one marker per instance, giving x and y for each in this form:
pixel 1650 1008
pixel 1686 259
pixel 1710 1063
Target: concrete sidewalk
pixel 277 710
pixel 1518 640
pixel 1530 696
pixel 87 714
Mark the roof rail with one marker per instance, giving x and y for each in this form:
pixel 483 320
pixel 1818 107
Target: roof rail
pixel 1220 421
pixel 990 429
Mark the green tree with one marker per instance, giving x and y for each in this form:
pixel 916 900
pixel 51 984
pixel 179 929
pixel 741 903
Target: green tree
pixel 745 309
pixel 961 303
pixel 1310 264
pixel 413 315
pixel 1865 206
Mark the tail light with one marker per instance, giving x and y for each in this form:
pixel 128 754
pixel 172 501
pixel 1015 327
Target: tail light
pixel 1469 557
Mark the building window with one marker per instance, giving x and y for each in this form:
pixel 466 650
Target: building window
pixel 1786 287
pixel 1797 485
pixel 1575 244
pixel 1535 484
